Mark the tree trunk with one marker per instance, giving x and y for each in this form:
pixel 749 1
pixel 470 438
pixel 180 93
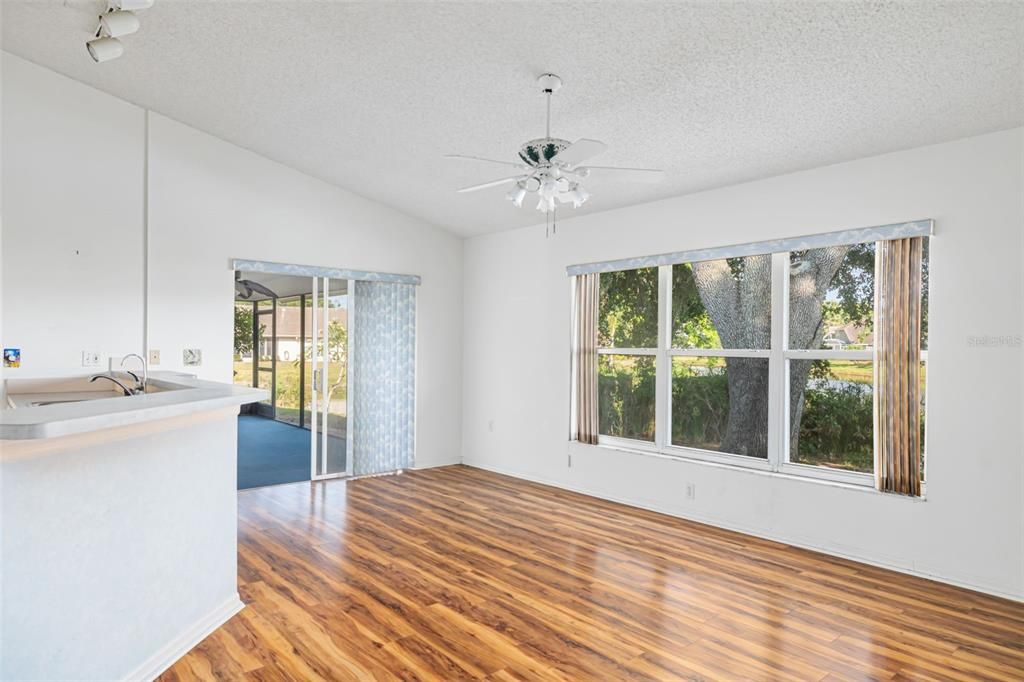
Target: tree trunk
pixel 746 431
pixel 739 304
pixel 808 285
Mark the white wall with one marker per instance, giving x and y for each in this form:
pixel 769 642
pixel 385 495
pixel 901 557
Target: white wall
pixel 69 149
pixel 970 528
pixel 72 232
pixel 211 201
pixel 117 547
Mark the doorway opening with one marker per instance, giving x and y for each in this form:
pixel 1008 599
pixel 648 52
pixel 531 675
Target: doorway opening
pixel 291 338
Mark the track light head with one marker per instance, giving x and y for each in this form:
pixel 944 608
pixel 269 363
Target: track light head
pixel 131 4
pixel 104 49
pixel 118 23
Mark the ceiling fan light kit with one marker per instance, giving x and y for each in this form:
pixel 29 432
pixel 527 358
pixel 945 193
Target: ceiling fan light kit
pixel 550 166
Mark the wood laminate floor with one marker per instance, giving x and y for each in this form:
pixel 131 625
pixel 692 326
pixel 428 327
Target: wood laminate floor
pixel 457 573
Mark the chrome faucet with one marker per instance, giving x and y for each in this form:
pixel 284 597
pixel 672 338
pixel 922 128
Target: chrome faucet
pixel 145 371
pixel 127 391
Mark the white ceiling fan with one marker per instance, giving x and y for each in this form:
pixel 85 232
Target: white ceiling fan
pixel 552 167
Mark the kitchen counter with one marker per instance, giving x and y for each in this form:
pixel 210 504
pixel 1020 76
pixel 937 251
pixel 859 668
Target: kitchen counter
pixel 118 535
pixel 91 408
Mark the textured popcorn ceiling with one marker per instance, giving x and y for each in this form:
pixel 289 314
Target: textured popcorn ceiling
pixel 368 96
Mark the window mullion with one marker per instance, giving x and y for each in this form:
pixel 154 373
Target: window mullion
pixel 778 404
pixel 663 370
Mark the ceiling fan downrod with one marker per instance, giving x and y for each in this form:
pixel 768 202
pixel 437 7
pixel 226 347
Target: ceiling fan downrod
pixel 549 84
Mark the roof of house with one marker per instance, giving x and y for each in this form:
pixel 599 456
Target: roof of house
pixel 289 320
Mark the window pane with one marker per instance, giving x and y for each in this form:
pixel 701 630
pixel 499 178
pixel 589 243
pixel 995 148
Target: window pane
pixel 243 344
pixel 625 386
pixel 831 413
pixel 832 297
pixel 722 303
pixel 628 315
pixel 721 404
pixel 287 325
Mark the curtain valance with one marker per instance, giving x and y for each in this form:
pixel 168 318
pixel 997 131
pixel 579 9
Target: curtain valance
pixel 317 271
pixel 917 228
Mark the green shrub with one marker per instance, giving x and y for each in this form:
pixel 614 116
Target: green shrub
pixel 700 409
pixel 836 426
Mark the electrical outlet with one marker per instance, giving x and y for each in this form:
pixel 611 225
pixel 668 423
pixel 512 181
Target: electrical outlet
pixel 154 357
pixel 90 358
pixel 691 491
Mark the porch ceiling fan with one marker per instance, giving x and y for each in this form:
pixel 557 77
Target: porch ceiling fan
pixel 244 288
pixel 553 168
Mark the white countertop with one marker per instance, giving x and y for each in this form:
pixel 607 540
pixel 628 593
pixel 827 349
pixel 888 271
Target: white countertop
pixel 177 395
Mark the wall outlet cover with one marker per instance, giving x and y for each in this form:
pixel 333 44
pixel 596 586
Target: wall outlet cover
pixel 154 357
pixel 90 358
pixel 192 357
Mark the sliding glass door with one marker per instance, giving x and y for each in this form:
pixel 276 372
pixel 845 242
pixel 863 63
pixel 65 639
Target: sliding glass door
pixel 330 436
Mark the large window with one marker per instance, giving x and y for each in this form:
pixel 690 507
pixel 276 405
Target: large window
pixel 763 360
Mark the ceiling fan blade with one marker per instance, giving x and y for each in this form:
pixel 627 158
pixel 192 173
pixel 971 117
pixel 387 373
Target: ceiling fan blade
pixel 628 174
pixel 579 151
pixel 492 183
pixel 480 158
pixel 260 289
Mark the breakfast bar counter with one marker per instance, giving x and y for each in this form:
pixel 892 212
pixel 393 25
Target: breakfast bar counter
pixel 118 512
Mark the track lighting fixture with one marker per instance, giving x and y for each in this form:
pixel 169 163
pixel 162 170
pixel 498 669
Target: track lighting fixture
pixel 118 23
pixel 119 20
pixel 104 49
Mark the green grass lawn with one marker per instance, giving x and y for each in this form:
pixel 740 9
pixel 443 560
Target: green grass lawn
pixel 288 382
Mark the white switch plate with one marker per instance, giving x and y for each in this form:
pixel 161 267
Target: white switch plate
pixel 90 358
pixel 154 357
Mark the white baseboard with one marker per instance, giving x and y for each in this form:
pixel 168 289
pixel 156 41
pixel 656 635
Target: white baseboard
pixel 775 537
pixel 183 643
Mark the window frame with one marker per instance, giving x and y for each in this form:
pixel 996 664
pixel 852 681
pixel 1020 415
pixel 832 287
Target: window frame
pixel 778 356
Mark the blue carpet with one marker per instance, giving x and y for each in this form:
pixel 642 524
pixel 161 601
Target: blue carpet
pixel 271 452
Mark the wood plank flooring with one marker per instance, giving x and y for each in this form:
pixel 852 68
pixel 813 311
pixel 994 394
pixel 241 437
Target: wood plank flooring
pixel 457 573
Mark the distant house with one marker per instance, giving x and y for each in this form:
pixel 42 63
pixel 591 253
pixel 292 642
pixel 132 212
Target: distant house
pixel 845 336
pixel 289 328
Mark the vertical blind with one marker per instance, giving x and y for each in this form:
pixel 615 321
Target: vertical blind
pixel 898 365
pixel 585 357
pixel 383 377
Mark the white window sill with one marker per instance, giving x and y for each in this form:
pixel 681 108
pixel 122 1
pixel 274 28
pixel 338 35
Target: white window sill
pixel 755 466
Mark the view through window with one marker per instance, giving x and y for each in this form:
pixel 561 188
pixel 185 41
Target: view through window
pixel 715 340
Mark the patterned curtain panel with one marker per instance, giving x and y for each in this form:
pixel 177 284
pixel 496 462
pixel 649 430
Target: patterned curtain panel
pixel 587 292
pixel 898 365
pixel 383 348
